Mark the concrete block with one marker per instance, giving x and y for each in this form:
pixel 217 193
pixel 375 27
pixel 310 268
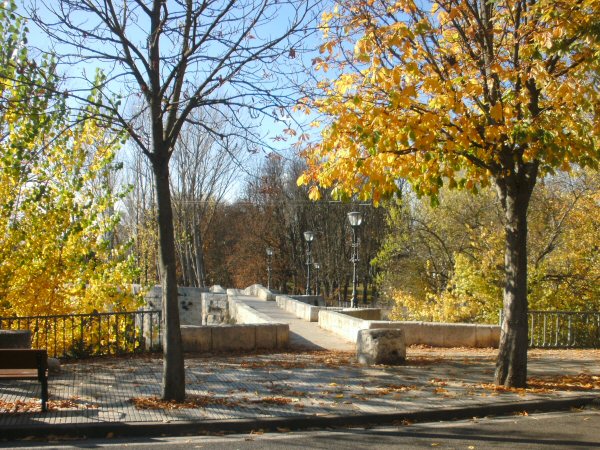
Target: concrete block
pixel 196 338
pixel 458 335
pixel 266 336
pixel 381 346
pixel 488 336
pixel 283 335
pixel 233 338
pixel 188 299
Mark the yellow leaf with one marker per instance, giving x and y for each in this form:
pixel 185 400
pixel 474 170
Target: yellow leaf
pixel 496 112
pixel 314 193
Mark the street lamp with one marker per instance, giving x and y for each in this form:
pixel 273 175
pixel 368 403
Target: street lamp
pixel 317 266
pixel 269 258
pixel 309 236
pixel 355 219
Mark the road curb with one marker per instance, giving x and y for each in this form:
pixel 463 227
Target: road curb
pixel 178 428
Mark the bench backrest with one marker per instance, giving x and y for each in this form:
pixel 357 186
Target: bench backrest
pixel 23 359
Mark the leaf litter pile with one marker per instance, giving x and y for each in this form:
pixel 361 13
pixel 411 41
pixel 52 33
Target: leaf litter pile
pixel 33 406
pixel 204 401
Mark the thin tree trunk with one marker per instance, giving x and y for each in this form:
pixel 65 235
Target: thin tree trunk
pixel 199 253
pixel 173 368
pixel 514 192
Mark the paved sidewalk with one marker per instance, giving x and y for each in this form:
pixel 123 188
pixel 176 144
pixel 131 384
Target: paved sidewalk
pixel 244 392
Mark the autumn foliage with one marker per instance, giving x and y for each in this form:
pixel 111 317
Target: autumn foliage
pixel 464 93
pixel 57 208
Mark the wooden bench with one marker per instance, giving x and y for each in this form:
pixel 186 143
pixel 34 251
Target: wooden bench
pixel 26 364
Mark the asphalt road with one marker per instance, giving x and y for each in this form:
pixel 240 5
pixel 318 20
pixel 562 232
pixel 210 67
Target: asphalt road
pixel 564 430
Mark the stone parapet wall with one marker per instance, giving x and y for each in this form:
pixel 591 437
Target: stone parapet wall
pixel 214 338
pixel 341 324
pixel 445 334
pixel 244 314
pixel 363 313
pixel 426 333
pixel 259 291
pixel 315 300
pixel 299 308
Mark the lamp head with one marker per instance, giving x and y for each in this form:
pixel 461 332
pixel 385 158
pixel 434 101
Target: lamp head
pixel 309 236
pixel 355 218
pixel 269 251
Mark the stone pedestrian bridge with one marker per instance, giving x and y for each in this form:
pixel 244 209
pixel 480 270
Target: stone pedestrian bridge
pixel 216 319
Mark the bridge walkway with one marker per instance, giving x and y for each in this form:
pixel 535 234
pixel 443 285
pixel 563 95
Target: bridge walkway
pixel 303 334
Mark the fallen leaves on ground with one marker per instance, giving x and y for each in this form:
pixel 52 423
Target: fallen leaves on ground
pixel 20 406
pixel 190 402
pixel 204 401
pixel 580 382
pixel 395 388
pixel 301 360
pixel 271 400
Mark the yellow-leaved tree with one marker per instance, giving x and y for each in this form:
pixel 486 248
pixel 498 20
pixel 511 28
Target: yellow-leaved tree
pixel 58 254
pixel 445 263
pixel 466 93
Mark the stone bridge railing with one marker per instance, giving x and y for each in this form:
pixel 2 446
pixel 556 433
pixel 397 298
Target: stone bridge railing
pixel 214 319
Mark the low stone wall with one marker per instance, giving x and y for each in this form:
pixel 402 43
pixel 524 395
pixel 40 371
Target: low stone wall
pixel 446 334
pixel 341 324
pixel 244 314
pixel 314 300
pixel 363 313
pixel 214 338
pixel 300 309
pixel 259 291
pixel 426 333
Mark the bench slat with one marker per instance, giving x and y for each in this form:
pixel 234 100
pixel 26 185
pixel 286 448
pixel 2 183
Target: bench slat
pixel 15 374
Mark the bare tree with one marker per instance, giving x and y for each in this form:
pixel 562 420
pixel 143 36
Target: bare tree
pixel 178 56
pixel 203 171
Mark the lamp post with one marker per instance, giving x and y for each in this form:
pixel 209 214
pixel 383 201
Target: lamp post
pixel 309 236
pixel 269 258
pixel 355 219
pixel 317 266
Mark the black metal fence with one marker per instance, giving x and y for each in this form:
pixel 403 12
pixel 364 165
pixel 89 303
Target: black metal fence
pixel 563 329
pixel 96 334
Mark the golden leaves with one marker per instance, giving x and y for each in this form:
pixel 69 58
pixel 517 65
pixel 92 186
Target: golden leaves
pixel 496 112
pixel 432 100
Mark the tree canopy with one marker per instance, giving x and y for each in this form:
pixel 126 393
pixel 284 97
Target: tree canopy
pixel 466 93
pixel 57 206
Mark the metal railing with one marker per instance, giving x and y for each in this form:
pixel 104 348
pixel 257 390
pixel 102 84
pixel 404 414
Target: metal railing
pixel 96 334
pixel 563 329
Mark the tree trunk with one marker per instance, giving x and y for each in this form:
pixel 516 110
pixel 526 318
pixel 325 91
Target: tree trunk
pixel 514 192
pixel 199 254
pixel 173 368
